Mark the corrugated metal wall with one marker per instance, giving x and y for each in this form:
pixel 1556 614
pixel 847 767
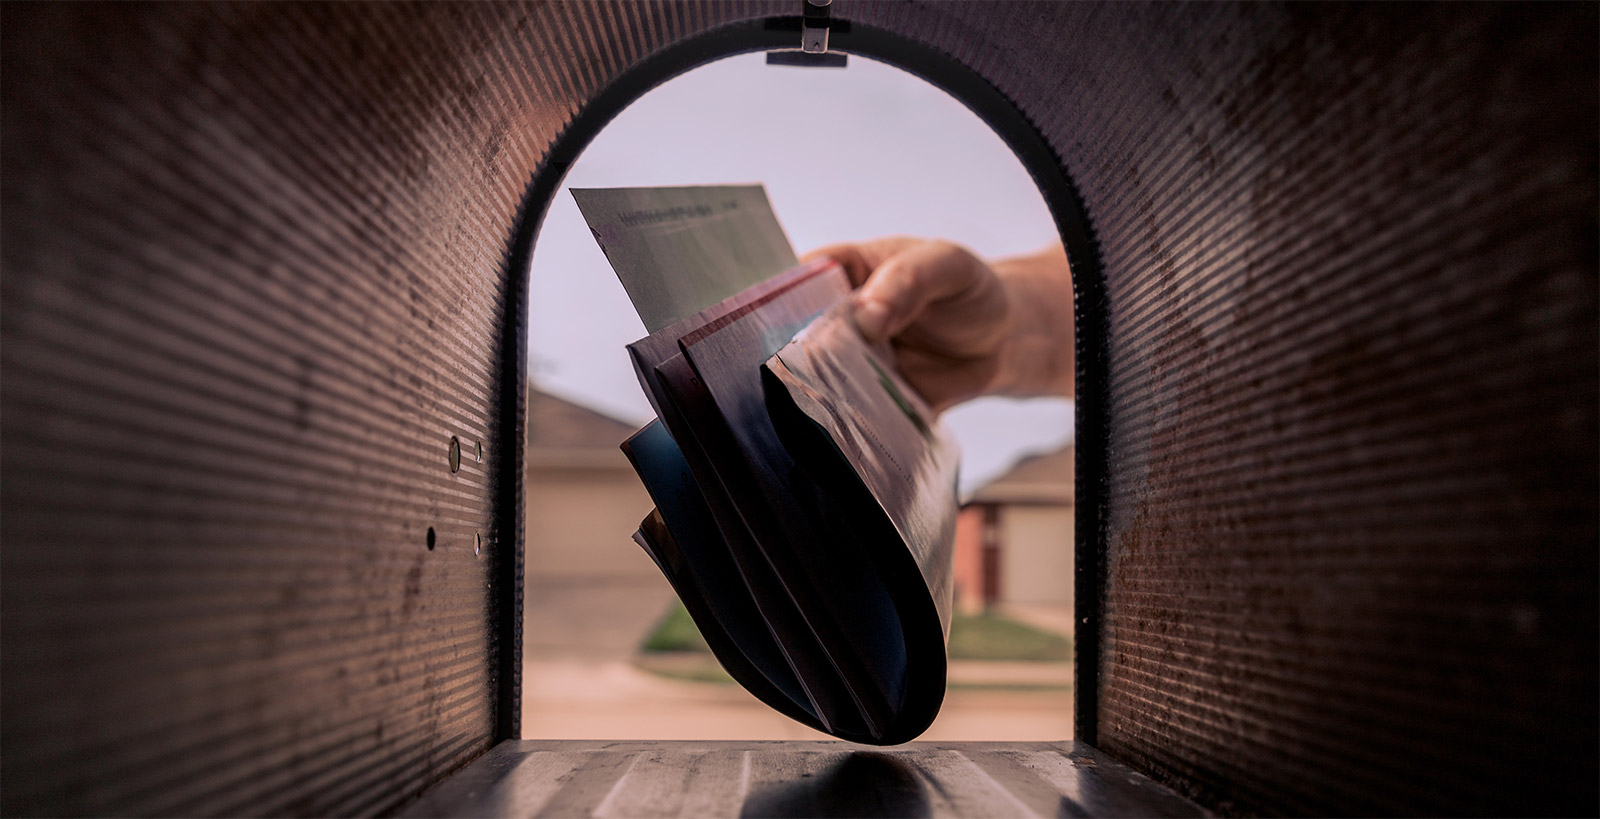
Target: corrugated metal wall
pixel 261 263
pixel 255 280
pixel 1351 273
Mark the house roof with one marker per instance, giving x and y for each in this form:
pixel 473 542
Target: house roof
pixel 561 431
pixel 1045 479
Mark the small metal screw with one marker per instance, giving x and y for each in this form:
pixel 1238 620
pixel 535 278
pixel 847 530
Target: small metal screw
pixel 477 543
pixel 455 454
pixel 480 452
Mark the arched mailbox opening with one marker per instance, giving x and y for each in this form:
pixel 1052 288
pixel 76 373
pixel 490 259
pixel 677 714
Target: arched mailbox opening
pixel 1040 162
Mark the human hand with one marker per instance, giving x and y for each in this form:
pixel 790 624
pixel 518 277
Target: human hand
pixel 960 327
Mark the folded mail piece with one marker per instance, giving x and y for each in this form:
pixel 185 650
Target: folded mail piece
pixel 805 494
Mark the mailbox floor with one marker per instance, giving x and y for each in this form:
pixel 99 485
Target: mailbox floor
pixel 798 778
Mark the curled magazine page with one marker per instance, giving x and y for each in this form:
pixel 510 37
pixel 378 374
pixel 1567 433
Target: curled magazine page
pixel 885 431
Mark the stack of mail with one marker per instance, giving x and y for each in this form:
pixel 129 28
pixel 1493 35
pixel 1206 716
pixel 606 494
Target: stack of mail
pixel 805 494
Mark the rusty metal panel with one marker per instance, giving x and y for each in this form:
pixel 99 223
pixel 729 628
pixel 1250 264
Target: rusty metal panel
pixel 258 274
pixel 1350 543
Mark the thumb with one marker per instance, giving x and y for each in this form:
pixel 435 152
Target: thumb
pixel 859 259
pixel 901 288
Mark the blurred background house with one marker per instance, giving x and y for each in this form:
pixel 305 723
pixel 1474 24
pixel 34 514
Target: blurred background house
pixel 583 499
pixel 1014 539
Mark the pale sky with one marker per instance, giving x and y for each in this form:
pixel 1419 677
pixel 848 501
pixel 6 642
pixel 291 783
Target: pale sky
pixel 845 154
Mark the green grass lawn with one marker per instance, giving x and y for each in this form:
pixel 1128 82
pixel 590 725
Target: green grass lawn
pixel 996 638
pixel 980 637
pixel 675 632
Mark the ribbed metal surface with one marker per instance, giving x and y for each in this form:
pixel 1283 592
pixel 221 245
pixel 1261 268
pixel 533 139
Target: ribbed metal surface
pixel 762 779
pixel 1352 523
pixel 255 280
pixel 260 263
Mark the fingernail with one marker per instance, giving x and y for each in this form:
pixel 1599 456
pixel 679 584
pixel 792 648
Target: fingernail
pixel 872 318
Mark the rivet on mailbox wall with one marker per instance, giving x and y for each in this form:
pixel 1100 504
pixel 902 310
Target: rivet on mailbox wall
pixel 431 538
pixel 455 454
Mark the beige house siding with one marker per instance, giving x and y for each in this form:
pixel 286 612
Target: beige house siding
pixel 580 522
pixel 1025 557
pixel 583 499
pixel 1036 565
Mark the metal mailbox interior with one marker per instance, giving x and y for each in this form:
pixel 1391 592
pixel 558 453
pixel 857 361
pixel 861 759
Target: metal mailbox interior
pixel 1336 281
